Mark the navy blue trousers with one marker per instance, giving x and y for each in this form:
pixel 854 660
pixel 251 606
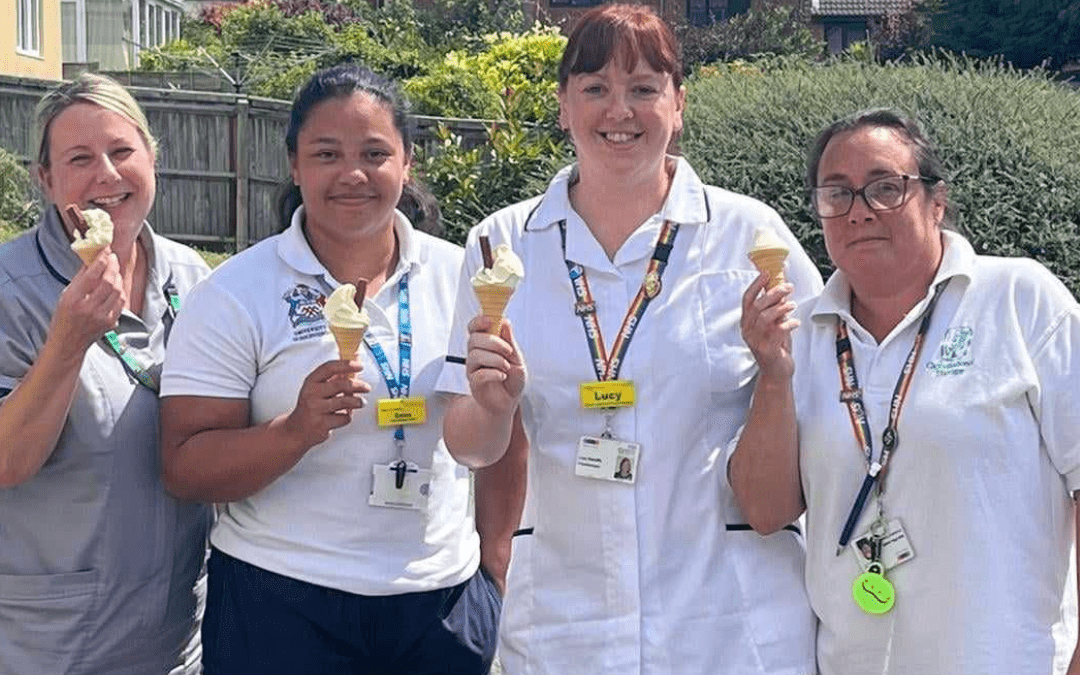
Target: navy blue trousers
pixel 261 623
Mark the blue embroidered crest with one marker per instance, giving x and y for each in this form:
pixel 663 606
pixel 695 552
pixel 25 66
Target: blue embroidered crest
pixel 954 354
pixel 305 305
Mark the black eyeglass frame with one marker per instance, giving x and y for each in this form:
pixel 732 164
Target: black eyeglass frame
pixel 861 192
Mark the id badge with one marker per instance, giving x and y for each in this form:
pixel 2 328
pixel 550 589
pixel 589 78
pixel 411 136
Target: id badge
pixel 392 412
pixel 895 547
pixel 607 459
pixel 400 485
pixel 607 394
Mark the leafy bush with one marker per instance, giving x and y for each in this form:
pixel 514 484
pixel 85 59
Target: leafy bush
pixel 18 209
pixel 1010 140
pixel 471 85
pixel 772 29
pixel 515 164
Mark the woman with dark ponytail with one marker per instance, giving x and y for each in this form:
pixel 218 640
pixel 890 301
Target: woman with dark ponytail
pixel 345 542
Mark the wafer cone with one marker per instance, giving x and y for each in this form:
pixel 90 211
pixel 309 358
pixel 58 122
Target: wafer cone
pixel 88 253
pixel 770 260
pixel 493 301
pixel 348 340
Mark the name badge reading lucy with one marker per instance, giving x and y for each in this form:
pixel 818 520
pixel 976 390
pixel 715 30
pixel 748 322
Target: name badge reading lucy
pixel 393 412
pixel 609 394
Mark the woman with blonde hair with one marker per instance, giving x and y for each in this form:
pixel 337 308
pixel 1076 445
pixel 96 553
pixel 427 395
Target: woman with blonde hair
pixel 99 567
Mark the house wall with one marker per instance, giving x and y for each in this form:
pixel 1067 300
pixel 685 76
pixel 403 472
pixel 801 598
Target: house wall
pixel 48 64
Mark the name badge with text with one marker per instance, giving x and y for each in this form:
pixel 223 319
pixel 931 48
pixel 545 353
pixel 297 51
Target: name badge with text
pixel 394 412
pixel 609 394
pixel 400 485
pixel 607 459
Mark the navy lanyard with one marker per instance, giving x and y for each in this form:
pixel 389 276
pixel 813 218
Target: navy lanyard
pixel 398 386
pixel 607 365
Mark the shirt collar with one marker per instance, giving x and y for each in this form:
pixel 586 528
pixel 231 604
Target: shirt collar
pixel 685 203
pixel 295 251
pixel 958 259
pixel 64 263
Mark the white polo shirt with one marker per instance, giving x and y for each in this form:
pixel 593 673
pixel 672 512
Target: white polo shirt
pixel 254 329
pixel 662 576
pixel 989 450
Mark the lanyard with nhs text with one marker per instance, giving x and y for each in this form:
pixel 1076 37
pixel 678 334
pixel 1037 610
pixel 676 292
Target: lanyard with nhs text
pixel 607 365
pixel 851 394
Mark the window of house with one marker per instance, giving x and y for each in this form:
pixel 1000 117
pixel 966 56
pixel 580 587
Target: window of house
pixel 28 26
pixel 841 34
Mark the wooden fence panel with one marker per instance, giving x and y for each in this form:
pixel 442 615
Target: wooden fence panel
pixel 221 156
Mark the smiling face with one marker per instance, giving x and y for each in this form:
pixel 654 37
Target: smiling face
pixel 350 165
pixel 621 122
pixel 98 159
pixel 879 250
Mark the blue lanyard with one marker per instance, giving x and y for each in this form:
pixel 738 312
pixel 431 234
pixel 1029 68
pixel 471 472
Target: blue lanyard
pixel 398 386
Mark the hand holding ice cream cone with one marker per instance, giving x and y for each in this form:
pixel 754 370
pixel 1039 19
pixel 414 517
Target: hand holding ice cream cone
pixel 347 318
pixel 768 255
pixel 495 282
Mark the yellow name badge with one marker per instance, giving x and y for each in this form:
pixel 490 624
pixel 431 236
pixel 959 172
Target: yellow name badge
pixel 611 394
pixel 393 412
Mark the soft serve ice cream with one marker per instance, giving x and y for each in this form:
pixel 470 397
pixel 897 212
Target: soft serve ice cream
pixel 495 282
pixel 98 232
pixel 348 321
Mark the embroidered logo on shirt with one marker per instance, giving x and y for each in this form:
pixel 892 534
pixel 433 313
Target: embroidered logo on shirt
pixel 954 355
pixel 305 312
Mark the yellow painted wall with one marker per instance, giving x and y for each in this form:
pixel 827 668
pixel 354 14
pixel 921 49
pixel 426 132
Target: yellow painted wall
pixel 49 64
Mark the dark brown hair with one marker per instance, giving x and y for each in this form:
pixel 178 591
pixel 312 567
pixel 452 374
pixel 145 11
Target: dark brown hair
pixel 625 33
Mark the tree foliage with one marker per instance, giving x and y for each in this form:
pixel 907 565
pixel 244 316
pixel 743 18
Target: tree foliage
pixel 774 28
pixel 1008 138
pixel 1026 33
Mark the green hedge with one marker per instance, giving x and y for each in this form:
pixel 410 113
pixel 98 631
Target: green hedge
pixel 1010 140
pixel 18 209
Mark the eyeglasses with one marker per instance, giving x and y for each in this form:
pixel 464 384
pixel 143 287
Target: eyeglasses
pixel 882 194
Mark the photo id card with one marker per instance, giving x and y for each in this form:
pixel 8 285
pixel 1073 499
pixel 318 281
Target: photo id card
pixel 895 547
pixel 398 486
pixel 607 459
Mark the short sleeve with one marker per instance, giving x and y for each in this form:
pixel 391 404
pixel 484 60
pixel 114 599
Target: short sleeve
pixel 213 347
pixel 19 343
pixel 452 377
pixel 1057 405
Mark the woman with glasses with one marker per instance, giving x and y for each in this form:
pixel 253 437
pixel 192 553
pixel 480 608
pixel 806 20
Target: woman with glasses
pixel 927 404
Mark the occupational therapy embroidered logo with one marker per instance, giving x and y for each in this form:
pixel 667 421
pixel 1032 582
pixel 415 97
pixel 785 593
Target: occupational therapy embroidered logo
pixel 954 355
pixel 305 311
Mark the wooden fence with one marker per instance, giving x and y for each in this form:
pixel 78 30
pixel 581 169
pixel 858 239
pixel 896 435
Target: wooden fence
pixel 221 156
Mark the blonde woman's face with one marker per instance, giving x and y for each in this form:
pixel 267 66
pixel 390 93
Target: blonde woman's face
pixel 98 159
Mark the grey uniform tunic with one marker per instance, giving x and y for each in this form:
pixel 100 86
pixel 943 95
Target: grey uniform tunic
pixel 98 565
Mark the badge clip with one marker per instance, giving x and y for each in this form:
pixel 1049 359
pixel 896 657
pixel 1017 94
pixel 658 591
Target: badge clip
pixel 400 468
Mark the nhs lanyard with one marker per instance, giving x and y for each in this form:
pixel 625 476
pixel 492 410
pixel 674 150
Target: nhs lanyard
pixel 851 394
pixel 397 386
pixel 607 366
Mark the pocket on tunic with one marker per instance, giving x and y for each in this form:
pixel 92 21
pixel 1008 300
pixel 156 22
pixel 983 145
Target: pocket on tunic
pixel 44 619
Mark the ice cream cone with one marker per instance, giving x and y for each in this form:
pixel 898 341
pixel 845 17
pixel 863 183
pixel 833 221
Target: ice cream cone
pixel 348 340
pixel 770 260
pixel 88 253
pixel 493 301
